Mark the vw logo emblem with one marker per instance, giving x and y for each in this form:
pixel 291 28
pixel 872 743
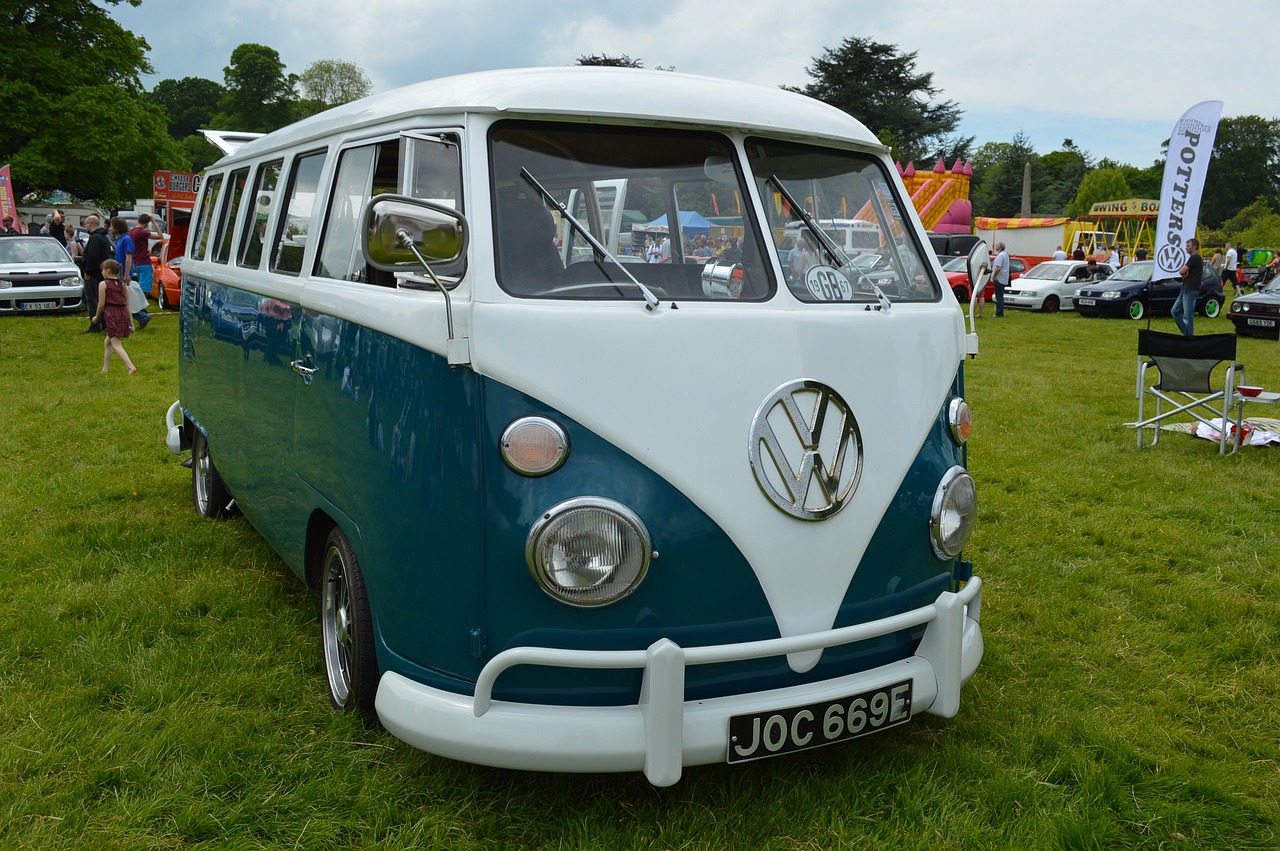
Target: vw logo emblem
pixel 806 450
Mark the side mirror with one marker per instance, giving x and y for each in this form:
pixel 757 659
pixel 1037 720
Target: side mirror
pixel 396 225
pixel 979 266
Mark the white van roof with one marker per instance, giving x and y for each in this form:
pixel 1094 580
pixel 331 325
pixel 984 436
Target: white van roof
pixel 628 94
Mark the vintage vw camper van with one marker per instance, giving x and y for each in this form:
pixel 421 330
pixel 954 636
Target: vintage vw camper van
pixel 565 509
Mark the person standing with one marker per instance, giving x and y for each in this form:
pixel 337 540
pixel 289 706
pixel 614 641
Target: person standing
pixel 1184 307
pixel 124 256
pixel 113 310
pixel 141 236
pixel 1000 276
pixel 98 249
pixel 1229 271
pixel 9 229
pixel 1059 254
pixel 58 227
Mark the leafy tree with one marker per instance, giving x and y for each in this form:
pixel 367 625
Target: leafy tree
pixel 260 96
pixel 1056 178
pixel 1103 184
pixel 71 95
pixel 190 103
pixel 880 86
pixel 623 61
pixel 1245 167
pixel 998 173
pixel 328 82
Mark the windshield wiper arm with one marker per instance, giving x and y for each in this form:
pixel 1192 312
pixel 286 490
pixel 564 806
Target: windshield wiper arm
pixel 650 300
pixel 835 251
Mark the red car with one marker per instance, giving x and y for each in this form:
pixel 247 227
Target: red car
pixel 957 270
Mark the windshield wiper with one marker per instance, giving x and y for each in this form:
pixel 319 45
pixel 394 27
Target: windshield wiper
pixel 650 300
pixel 835 251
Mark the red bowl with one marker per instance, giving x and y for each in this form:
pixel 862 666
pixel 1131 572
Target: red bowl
pixel 1248 390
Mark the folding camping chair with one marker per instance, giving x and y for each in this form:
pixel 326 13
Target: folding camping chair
pixel 1186 365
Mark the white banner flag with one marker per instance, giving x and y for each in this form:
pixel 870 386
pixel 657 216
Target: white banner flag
pixel 1189 149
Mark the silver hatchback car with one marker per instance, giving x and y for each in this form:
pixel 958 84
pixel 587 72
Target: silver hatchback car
pixel 37 274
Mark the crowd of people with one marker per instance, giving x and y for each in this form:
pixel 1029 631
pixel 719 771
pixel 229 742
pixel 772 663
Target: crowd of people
pixel 115 263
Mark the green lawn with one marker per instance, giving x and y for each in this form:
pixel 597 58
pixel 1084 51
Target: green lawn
pixel 161 683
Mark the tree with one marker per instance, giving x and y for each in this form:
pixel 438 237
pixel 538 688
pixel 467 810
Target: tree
pixel 623 61
pixel 71 95
pixel 997 176
pixel 878 85
pixel 260 96
pixel 329 82
pixel 1245 166
pixel 190 103
pixel 1102 184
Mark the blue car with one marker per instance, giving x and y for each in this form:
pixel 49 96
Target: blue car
pixel 1131 292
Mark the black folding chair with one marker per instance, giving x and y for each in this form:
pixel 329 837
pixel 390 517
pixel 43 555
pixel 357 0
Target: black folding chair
pixel 1186 365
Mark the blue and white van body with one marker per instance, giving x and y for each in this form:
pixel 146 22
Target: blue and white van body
pixel 565 509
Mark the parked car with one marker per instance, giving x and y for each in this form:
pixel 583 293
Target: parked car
pixel 168 277
pixel 37 274
pixel 1051 286
pixel 957 271
pixel 1131 292
pixel 1258 314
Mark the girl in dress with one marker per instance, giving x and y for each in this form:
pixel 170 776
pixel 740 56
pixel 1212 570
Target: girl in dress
pixel 113 303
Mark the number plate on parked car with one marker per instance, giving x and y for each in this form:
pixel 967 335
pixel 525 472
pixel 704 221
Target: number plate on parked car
pixel 796 728
pixel 1087 302
pixel 37 305
pixel 1265 323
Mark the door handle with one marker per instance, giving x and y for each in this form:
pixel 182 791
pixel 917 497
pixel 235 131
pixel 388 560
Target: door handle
pixel 304 368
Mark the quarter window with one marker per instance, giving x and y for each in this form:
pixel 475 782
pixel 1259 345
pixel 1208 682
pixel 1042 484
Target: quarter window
pixel 226 225
pixel 255 224
pixel 201 243
pixel 294 225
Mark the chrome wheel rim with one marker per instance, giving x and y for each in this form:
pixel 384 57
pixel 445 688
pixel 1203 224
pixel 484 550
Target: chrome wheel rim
pixel 335 621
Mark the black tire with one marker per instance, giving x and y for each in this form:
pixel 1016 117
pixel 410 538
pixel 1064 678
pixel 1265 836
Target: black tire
pixel 962 294
pixel 1212 307
pixel 210 494
pixel 1051 304
pixel 346 629
pixel 1135 309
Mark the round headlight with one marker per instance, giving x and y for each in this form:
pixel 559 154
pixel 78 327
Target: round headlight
pixel 955 510
pixel 960 418
pixel 534 446
pixel 588 551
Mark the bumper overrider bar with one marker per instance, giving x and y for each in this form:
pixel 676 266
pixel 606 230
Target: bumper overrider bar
pixel 664 732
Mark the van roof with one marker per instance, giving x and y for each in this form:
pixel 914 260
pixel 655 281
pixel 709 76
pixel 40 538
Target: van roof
pixel 628 94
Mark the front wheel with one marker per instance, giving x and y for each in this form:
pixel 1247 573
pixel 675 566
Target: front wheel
pixel 962 294
pixel 1212 307
pixel 346 629
pixel 210 494
pixel 1136 309
pixel 1051 304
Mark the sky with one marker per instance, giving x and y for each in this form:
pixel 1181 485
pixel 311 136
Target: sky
pixel 1113 77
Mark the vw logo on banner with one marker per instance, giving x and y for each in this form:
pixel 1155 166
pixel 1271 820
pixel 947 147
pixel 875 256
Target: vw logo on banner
pixel 806 450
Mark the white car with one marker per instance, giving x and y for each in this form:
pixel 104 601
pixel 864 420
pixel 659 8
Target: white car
pixel 1052 285
pixel 36 275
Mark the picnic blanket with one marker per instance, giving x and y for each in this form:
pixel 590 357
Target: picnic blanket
pixel 1265 431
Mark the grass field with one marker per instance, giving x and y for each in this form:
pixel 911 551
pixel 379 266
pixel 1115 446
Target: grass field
pixel 161 683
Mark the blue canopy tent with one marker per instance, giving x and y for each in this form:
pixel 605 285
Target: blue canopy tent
pixel 690 222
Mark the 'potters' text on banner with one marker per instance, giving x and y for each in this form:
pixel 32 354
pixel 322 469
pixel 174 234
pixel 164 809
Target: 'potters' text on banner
pixel 1189 149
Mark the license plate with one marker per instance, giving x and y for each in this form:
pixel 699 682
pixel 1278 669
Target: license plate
pixel 37 305
pixel 1265 323
pixel 796 728
pixel 1087 302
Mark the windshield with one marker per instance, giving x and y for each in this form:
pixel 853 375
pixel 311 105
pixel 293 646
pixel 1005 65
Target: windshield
pixel 40 249
pixel 1045 272
pixel 1139 272
pixel 834 186
pixel 626 205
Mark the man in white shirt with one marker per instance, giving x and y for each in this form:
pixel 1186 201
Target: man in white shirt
pixel 1059 254
pixel 1229 271
pixel 1000 275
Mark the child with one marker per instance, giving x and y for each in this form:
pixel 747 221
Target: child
pixel 113 302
